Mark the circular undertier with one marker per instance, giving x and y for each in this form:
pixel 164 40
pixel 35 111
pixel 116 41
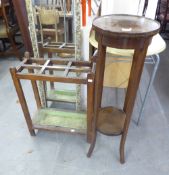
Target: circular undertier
pixel 110 121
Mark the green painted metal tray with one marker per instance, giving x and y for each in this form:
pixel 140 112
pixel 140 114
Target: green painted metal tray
pixel 62 95
pixel 59 118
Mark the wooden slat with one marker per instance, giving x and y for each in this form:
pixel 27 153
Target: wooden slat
pixel 58 68
pixel 58 50
pixel 44 67
pixel 61 46
pixel 48 44
pixel 57 61
pixel 52 86
pixel 20 68
pixel 60 43
pixel 42 77
pixel 67 69
pixel 35 91
pixel 61 61
pixel 29 66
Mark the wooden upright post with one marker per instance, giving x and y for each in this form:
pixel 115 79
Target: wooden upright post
pixel 22 101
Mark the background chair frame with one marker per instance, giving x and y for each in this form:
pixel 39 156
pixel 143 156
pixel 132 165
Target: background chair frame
pixel 10 27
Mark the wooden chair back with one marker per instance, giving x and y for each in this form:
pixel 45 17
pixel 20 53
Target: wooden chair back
pixel 9 28
pixel 48 16
pixel 162 7
pixel 145 7
pixel 162 14
pixel 8 13
pixel 49 19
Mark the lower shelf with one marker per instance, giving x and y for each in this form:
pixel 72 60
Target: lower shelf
pixel 68 121
pixel 111 121
pixel 62 95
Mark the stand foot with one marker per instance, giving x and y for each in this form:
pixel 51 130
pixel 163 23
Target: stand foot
pixel 32 133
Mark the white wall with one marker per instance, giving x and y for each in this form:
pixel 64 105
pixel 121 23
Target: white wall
pixel 134 7
pixel 119 6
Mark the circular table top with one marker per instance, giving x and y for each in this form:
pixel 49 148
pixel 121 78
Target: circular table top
pixel 126 25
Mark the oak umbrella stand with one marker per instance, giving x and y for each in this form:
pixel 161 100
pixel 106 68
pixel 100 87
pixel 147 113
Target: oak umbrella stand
pixel 122 32
pixel 51 118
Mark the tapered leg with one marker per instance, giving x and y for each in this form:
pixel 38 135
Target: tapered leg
pixel 92 143
pixel 100 66
pixel 90 106
pixel 134 80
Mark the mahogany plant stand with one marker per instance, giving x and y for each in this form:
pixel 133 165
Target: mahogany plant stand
pixel 122 32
